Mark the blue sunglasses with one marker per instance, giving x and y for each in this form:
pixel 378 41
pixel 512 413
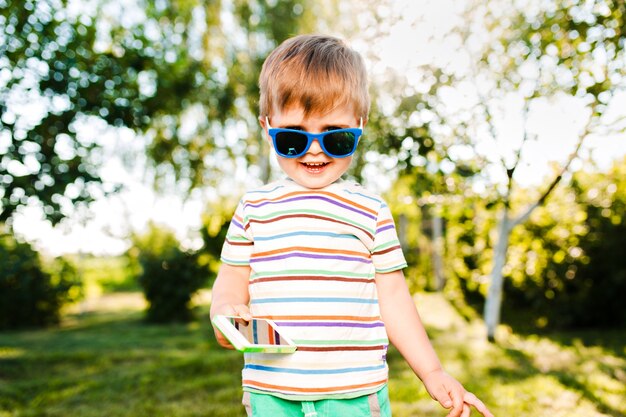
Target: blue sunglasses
pixel 291 143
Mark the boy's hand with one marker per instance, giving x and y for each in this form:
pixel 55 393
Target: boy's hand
pixel 450 394
pixel 239 310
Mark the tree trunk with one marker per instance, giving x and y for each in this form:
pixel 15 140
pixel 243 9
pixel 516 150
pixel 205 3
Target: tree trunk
pixel 494 295
pixel 437 236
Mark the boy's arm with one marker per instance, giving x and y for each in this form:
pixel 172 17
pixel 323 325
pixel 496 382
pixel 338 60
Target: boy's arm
pixel 230 296
pixel 406 332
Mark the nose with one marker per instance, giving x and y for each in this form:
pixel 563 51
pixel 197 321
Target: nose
pixel 315 147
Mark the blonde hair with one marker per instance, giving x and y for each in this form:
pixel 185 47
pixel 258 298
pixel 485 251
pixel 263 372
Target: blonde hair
pixel 318 73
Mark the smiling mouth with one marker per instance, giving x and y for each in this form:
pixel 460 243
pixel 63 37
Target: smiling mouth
pixel 314 166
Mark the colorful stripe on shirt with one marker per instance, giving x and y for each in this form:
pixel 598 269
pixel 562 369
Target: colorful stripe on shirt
pixel 314 256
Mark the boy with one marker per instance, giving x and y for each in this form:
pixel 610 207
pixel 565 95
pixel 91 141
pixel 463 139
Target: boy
pixel 320 256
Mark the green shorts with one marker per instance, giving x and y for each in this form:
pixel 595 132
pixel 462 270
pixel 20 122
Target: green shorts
pixel 264 405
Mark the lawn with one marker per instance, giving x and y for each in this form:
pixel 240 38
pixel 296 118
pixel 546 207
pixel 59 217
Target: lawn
pixel 104 361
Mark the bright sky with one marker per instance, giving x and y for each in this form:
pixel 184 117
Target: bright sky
pixel 419 37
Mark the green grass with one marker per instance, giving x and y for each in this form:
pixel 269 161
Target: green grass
pixel 115 365
pixel 110 363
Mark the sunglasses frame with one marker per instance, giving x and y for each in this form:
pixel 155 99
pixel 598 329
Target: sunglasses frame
pixel 273 131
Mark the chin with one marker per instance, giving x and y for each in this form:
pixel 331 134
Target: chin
pixel 314 179
pixel 315 183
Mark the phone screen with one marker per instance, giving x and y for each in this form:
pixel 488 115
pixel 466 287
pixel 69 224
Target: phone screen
pixel 259 332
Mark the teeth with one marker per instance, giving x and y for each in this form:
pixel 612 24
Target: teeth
pixel 315 164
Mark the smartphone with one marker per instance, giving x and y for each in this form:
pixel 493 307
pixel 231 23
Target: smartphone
pixel 258 335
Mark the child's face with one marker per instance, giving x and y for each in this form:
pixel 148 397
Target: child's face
pixel 314 169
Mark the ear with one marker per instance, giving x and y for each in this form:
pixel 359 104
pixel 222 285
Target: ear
pixel 264 128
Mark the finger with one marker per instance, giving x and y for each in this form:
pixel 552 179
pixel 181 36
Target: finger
pixel 221 340
pixel 457 400
pixel 466 411
pixel 471 400
pixel 242 311
pixel 455 412
pixel 225 310
pixel 456 397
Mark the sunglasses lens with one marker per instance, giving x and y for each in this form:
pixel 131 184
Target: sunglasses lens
pixel 290 144
pixel 340 143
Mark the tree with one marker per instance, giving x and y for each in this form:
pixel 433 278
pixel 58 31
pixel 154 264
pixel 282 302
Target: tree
pixel 177 73
pixel 565 269
pixel 450 114
pixel 545 50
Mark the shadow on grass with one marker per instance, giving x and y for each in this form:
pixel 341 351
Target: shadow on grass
pixel 523 375
pixel 409 396
pixel 526 368
pixel 611 339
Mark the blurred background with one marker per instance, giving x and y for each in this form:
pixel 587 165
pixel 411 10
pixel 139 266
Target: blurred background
pixel 497 134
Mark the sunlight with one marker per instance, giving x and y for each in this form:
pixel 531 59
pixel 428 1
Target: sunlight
pixel 7 352
pixel 423 33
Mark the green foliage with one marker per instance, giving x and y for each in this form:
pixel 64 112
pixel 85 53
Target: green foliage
pixel 467 223
pixel 174 73
pixel 567 269
pixel 469 246
pixel 413 221
pixel 525 53
pixel 31 293
pixel 169 275
pixel 403 135
pixel 564 267
pixel 215 226
pixel 599 274
pixel 568 38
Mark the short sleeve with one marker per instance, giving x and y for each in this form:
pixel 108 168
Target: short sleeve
pixel 239 241
pixel 387 253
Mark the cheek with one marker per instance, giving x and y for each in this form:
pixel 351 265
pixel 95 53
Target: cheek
pixel 346 162
pixel 286 164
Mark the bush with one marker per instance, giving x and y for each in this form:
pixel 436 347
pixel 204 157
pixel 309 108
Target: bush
pixel 31 294
pixel 169 276
pixel 571 272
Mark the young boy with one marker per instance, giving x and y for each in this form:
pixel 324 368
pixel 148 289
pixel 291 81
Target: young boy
pixel 320 256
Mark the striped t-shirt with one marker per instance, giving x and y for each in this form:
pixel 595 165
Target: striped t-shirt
pixel 313 256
